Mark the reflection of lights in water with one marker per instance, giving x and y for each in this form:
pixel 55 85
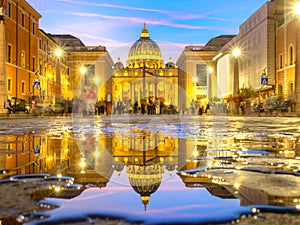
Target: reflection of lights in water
pixel 97 154
pixel 195 153
pixel 57 189
pixel 236 186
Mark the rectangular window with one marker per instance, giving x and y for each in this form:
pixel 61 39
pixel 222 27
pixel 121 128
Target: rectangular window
pixel 23 87
pixel 33 64
pixel 9 85
pixel 9 54
pixel 23 59
pixel 279 89
pixel 33 28
pixel 23 20
pixel 201 74
pixel 291 87
pixel 41 67
pixel 280 61
pixel 9 9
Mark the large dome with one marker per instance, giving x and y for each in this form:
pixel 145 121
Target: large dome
pixel 145 51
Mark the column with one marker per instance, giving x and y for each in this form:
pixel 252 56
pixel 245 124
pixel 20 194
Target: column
pixel 3 88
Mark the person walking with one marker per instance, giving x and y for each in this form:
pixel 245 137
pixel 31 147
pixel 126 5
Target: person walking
pixel 157 106
pixel 135 107
pixel 193 106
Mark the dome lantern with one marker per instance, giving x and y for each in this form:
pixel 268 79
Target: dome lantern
pixel 145 33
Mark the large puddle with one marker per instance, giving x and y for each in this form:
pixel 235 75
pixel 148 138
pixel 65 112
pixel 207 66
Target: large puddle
pixel 155 170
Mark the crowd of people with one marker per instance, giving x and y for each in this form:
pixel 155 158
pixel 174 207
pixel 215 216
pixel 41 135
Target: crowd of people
pixel 199 108
pixel 150 107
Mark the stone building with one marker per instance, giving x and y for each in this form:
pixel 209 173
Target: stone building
pixel 255 42
pixel 53 72
pixel 87 65
pixel 198 72
pixel 145 75
pixel 19 41
pixel 287 49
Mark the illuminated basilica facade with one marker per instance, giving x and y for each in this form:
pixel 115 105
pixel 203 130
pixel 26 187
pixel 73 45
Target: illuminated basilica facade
pixel 145 75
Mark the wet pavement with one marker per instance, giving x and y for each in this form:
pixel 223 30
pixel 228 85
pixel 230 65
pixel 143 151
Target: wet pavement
pixel 149 170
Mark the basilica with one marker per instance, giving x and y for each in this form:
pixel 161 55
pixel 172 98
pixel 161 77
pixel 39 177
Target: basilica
pixel 145 76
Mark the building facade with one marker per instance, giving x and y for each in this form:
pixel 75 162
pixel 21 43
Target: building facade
pixel 87 65
pixel 197 72
pixel 256 43
pixel 19 40
pixel 287 49
pixel 53 72
pixel 145 77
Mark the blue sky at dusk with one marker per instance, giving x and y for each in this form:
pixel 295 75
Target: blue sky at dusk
pixel 117 24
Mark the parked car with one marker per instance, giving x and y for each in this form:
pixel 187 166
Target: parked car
pixel 259 107
pixel 49 109
pixel 19 105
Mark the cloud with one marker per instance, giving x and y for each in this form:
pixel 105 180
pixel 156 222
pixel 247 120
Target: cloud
pixel 142 20
pixel 112 6
pixel 171 14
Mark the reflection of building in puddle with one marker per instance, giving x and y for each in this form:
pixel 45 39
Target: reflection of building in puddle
pixel 206 182
pixel 228 183
pixel 250 196
pixel 34 153
pixel 279 145
pixel 145 158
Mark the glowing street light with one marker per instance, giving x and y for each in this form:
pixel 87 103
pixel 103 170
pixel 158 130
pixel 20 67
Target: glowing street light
pixel 297 9
pixel 236 52
pixel 58 52
pixel 83 70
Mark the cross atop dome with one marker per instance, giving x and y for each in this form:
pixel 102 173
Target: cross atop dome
pixel 145 33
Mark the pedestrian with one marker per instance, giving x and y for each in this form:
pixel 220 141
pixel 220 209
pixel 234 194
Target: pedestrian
pixel 143 108
pixel 193 106
pixel 207 110
pixel 150 107
pixel 119 107
pixel 157 106
pixel 8 106
pixel 135 107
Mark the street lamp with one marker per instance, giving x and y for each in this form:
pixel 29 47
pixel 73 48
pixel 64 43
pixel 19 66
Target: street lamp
pixel 58 54
pixel 297 75
pixel 209 93
pixel 236 52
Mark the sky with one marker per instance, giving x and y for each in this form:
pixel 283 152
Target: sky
pixel 117 24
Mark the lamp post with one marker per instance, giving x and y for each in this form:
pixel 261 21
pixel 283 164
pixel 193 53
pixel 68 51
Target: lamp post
pixel 3 88
pixel 58 54
pixel 297 74
pixel 236 52
pixel 209 93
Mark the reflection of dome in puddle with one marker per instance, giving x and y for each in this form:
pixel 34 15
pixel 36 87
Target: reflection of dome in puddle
pixel 118 166
pixel 145 180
